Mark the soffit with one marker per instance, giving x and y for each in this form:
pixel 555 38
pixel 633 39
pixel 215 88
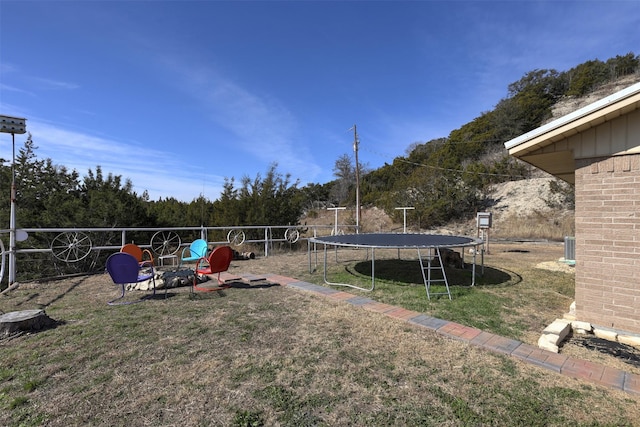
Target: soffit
pixel 606 109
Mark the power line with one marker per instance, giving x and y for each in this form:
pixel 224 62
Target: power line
pixel 401 159
pixel 456 170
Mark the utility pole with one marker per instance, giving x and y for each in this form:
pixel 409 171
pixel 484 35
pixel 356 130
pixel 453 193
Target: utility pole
pixel 355 150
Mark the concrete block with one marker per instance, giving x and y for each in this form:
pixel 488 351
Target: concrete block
pixel 581 327
pixel 629 340
pixel 559 327
pixel 553 339
pixel 605 334
pixel 545 344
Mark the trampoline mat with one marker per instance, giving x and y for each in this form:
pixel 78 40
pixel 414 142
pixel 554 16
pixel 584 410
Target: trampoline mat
pixel 397 240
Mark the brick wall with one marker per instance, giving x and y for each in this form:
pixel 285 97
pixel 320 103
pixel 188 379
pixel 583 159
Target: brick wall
pixel 607 220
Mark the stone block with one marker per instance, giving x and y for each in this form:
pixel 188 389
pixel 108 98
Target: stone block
pixel 581 327
pixel 559 327
pixel 629 340
pixel 545 344
pixel 553 339
pixel 605 334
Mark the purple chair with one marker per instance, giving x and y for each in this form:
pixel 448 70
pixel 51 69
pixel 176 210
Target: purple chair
pixel 123 269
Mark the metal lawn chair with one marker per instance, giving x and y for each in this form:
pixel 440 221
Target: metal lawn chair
pixel 217 262
pixel 197 249
pixel 124 268
pixel 141 255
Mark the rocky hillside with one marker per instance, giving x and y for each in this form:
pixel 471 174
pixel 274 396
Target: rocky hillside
pixel 569 105
pixel 520 209
pixel 522 198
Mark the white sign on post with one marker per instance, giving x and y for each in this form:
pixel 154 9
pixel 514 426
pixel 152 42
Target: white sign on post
pixel 484 224
pixel 484 219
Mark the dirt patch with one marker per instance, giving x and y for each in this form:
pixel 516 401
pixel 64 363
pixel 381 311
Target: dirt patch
pixel 626 357
pixel 557 266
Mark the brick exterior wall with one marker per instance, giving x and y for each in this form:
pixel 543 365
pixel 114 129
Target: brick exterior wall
pixel 607 219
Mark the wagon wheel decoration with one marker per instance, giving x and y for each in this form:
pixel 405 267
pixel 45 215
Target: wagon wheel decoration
pixel 291 235
pixel 71 246
pixel 165 243
pixel 236 237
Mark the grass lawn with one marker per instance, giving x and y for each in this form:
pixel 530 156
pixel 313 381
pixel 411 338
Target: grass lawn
pixel 264 355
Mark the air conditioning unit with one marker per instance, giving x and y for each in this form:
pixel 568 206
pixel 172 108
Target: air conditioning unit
pixel 569 248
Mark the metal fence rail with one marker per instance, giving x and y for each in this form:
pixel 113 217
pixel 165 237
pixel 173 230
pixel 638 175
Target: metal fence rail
pixel 73 245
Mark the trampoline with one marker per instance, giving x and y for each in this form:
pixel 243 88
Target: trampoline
pixel 432 244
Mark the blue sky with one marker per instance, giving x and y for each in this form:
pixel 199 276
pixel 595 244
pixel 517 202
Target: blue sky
pixel 178 95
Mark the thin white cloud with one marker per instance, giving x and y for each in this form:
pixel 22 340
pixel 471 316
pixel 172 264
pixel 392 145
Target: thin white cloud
pixel 8 69
pixel 261 126
pixel 41 82
pixel 4 87
pixel 54 84
pixel 258 124
pixel 157 172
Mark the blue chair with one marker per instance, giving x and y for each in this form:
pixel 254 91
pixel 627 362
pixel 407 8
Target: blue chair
pixel 198 249
pixel 123 269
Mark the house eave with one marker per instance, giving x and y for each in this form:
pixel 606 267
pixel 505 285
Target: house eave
pixel 578 121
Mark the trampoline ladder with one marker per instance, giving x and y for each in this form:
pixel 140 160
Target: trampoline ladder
pixel 433 254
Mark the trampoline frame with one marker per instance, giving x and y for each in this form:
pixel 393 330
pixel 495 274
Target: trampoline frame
pixel 398 241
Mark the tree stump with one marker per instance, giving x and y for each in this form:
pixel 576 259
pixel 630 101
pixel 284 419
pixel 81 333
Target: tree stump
pixel 23 321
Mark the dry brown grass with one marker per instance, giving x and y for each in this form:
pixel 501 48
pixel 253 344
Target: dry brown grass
pixel 540 290
pixel 536 225
pixel 268 355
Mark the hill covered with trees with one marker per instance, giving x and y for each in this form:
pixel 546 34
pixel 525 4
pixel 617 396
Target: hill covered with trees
pixel 444 179
pixel 449 178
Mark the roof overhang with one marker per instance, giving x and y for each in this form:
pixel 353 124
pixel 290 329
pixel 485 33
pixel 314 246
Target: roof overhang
pixel 560 162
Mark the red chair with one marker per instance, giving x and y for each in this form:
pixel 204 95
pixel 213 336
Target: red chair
pixel 217 261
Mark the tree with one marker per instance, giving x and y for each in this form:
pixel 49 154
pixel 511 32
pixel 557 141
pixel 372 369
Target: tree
pixel 167 213
pixel 46 194
pixel 343 188
pixel 624 65
pixel 587 76
pixel 532 97
pixel 110 203
pixel 345 174
pixel 272 200
pixel 315 195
